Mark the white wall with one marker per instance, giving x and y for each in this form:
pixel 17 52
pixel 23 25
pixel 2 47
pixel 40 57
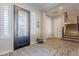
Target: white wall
pixel 58 24
pixel 6 44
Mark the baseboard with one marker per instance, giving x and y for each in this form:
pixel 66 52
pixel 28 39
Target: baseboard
pixel 6 52
pixel 33 43
pixel 53 38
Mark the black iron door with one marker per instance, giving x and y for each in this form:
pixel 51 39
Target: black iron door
pixel 21 27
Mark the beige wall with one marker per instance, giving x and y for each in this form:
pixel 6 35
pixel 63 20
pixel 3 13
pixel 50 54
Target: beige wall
pixel 6 44
pixel 72 16
pixel 46 29
pixel 43 25
pixel 52 27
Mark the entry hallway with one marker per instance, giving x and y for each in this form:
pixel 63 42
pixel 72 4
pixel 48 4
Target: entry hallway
pixel 52 47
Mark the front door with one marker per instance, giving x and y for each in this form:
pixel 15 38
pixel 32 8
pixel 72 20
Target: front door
pixel 21 27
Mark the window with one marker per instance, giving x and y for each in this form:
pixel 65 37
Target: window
pixel 5 23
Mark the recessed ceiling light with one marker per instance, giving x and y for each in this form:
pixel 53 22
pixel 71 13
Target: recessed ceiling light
pixel 60 7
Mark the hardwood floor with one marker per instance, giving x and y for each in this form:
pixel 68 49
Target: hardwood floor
pixel 52 47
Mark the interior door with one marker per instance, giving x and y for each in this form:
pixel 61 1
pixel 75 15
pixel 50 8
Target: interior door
pixel 57 28
pixel 21 27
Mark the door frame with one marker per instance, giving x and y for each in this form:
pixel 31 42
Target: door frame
pixel 15 9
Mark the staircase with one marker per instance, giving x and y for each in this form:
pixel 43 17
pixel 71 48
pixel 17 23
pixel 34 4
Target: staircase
pixel 71 32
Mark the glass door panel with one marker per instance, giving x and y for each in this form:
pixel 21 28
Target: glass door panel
pixel 22 22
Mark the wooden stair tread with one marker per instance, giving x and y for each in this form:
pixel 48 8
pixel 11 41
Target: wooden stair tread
pixel 70 37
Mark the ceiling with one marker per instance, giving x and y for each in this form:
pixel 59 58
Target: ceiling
pixel 70 8
pixel 43 6
pixel 53 9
